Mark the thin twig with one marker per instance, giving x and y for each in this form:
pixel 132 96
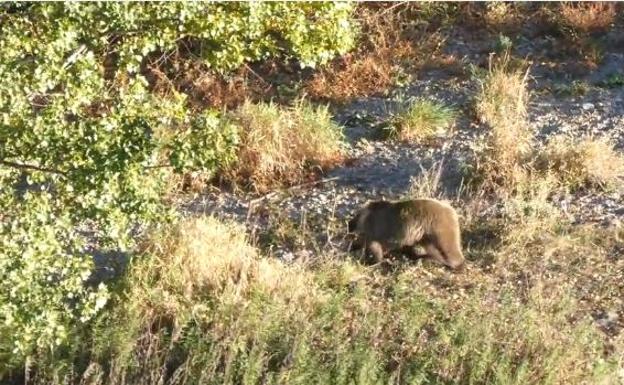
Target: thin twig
pixel 24 166
pixel 256 75
pixel 307 184
pixel 157 166
pixel 436 180
pixel 74 56
pixel 393 7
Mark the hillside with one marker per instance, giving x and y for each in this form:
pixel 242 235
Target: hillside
pixel 177 186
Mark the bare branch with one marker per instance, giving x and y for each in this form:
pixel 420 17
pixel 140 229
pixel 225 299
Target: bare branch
pixel 32 167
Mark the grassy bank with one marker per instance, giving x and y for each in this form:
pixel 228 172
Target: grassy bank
pixel 205 308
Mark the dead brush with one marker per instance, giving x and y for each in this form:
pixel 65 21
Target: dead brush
pixel 283 145
pixel 204 87
pixel 588 162
pixel 382 59
pixel 587 17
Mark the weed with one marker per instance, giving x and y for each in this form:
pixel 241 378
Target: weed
pixel 422 119
pixel 613 81
pixel 503 43
pixel 574 88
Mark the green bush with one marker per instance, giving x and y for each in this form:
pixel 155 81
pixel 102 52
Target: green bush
pixel 41 251
pixel 84 144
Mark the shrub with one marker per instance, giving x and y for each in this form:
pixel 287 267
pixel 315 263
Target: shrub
pixel 208 142
pixel 422 119
pixel 102 175
pixel 84 144
pixel 502 106
pixel 588 162
pixel 281 144
pixel 43 273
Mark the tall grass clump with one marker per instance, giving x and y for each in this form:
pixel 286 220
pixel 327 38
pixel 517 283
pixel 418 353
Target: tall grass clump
pixel 206 257
pixel 422 119
pixel 281 145
pixel 588 162
pixel 502 106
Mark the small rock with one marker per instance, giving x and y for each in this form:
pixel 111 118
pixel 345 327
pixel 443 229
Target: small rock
pixel 588 106
pixel 608 319
pixel 286 256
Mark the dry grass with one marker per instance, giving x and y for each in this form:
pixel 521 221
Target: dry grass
pixel 187 303
pixel 281 145
pixel 339 320
pixel 528 219
pixel 502 102
pixel 421 120
pixel 205 255
pixel 588 162
pixel 502 106
pixel 587 17
pixel 384 57
pixel 427 184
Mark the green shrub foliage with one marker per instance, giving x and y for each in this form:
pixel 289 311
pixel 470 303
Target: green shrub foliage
pixel 85 145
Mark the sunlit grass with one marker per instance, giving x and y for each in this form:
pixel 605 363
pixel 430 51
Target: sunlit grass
pixel 422 119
